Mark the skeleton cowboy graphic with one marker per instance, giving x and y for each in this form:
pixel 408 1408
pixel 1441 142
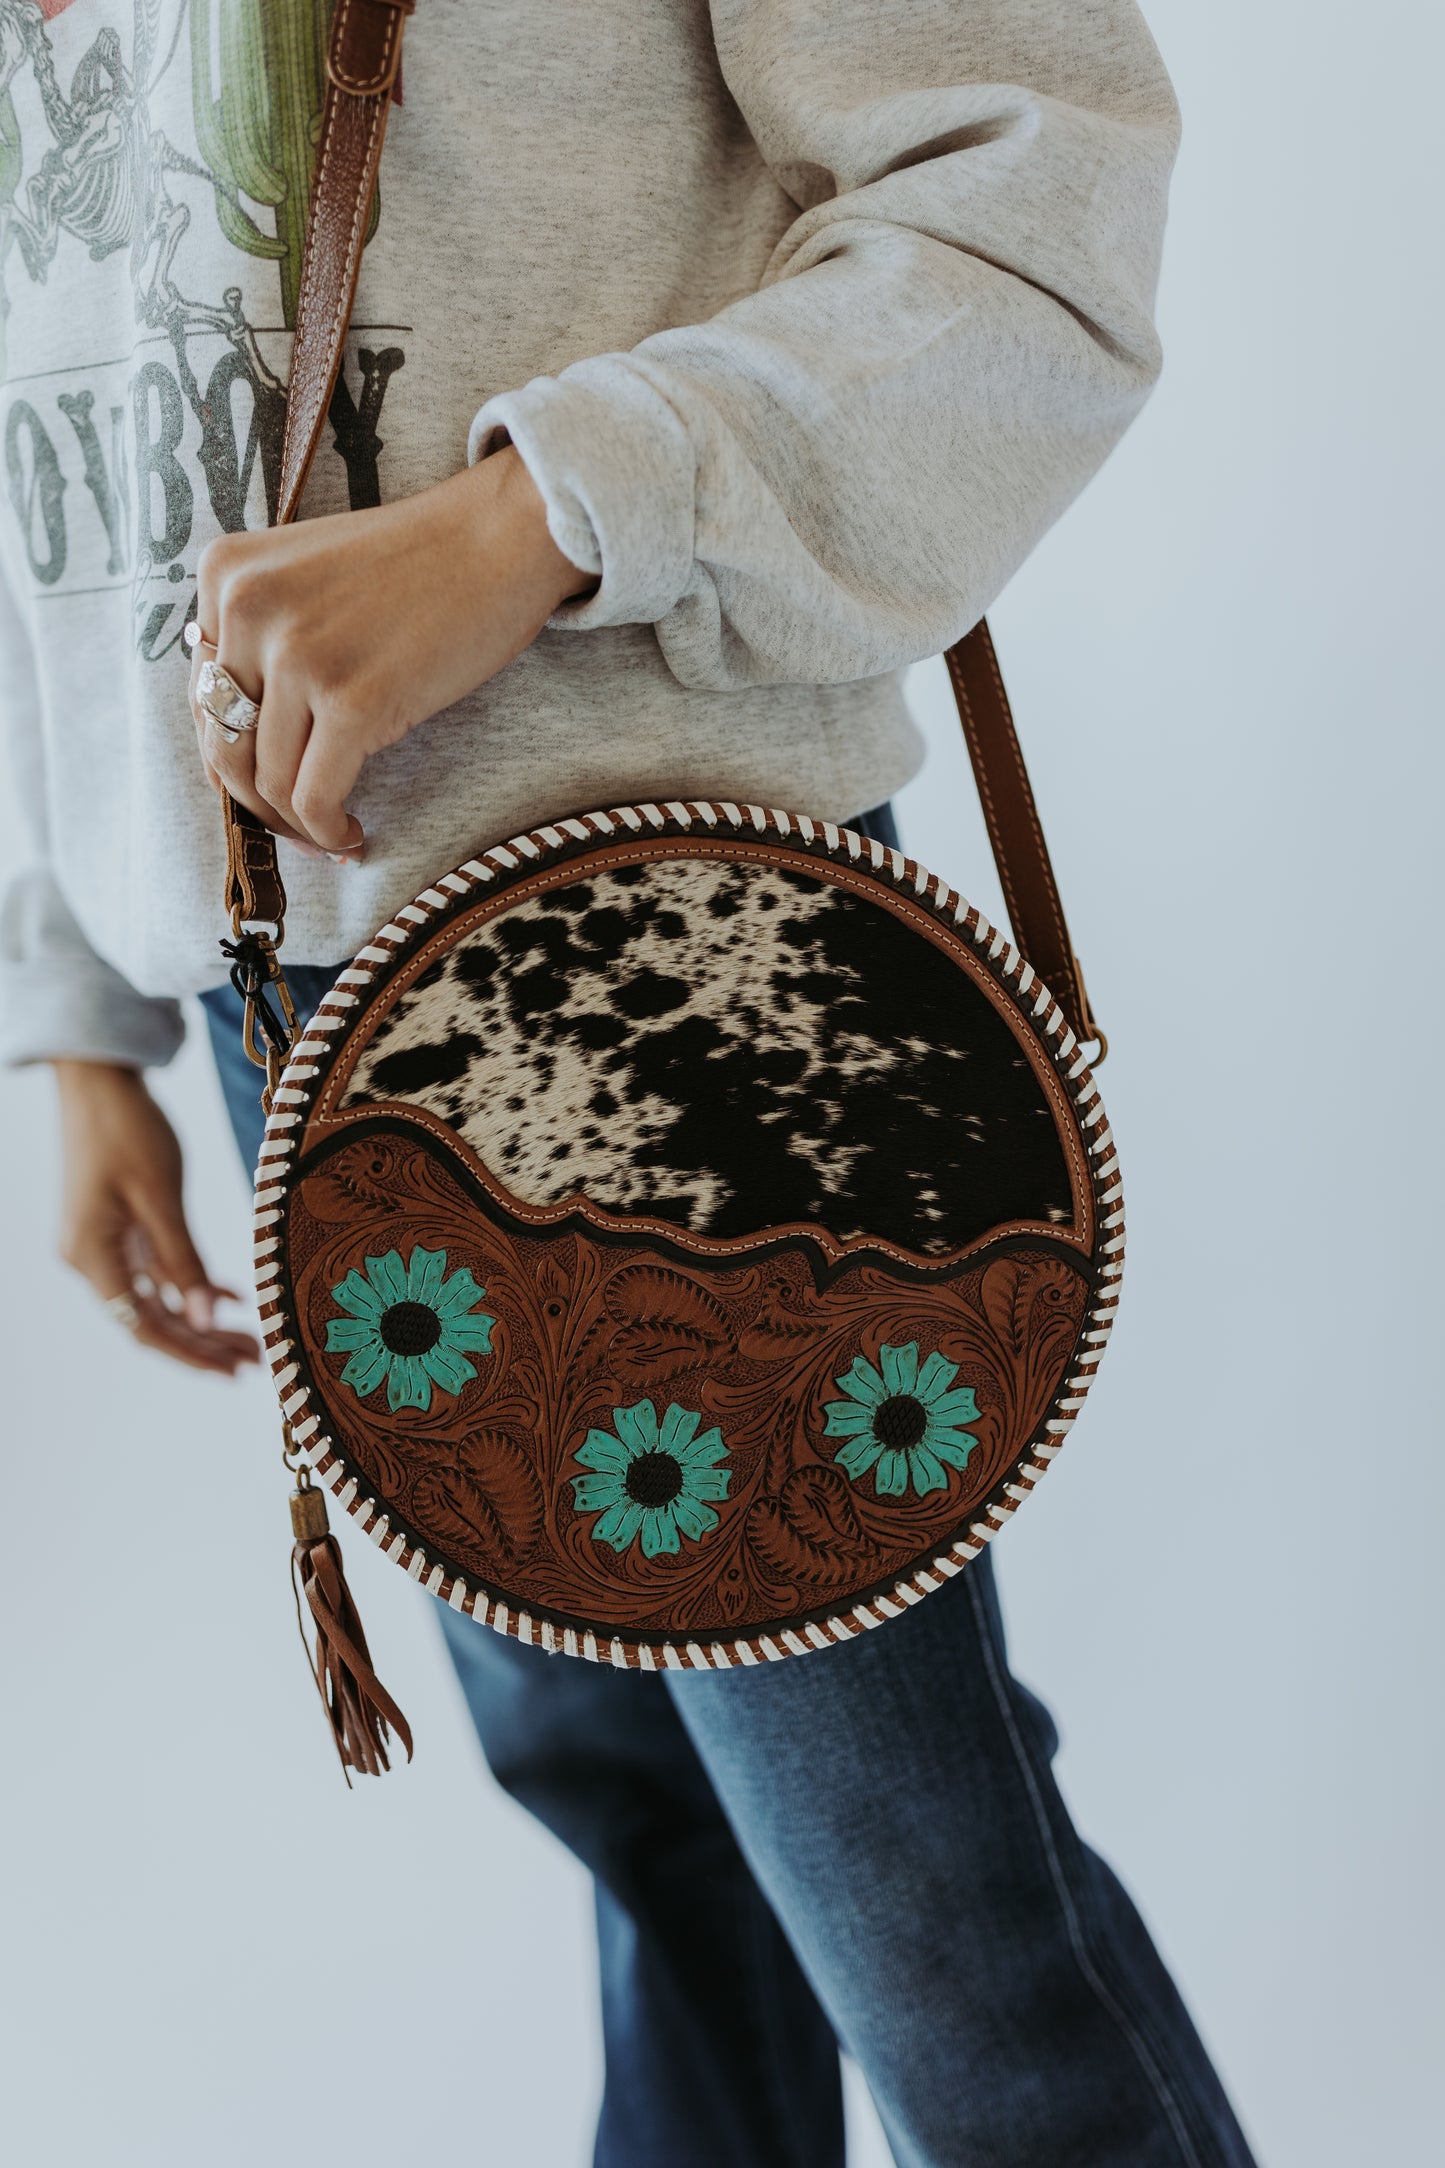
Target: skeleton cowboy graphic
pixel 137 152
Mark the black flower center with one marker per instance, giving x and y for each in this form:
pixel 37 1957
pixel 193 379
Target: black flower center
pixel 410 1328
pixel 900 1422
pixel 653 1479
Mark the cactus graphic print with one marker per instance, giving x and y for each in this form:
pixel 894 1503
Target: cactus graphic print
pixel 171 143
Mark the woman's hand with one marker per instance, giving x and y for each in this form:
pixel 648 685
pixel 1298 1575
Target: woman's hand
pixel 123 1220
pixel 350 631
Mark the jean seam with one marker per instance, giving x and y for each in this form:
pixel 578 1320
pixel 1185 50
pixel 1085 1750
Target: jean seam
pixel 759 1964
pixel 766 1974
pixel 1078 1942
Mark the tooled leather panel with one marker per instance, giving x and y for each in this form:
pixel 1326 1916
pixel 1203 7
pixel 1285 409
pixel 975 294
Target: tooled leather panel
pixel 780 1498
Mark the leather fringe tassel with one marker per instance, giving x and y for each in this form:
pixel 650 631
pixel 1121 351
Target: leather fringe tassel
pixel 361 1712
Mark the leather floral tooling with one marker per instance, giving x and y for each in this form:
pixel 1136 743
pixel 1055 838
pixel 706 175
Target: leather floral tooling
pixel 487 1478
pixel 690 1237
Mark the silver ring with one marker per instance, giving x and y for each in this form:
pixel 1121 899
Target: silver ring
pixel 194 637
pixel 124 1311
pixel 223 700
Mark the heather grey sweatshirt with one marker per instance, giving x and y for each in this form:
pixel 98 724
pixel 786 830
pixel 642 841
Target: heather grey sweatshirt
pixel 807 316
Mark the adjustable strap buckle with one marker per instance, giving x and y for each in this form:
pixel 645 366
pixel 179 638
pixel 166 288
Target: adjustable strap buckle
pixel 1092 1029
pixel 364 55
pixel 270 1029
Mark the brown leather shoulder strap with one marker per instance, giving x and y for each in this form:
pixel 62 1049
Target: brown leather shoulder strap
pixel 1014 829
pixel 361 69
pixel 362 65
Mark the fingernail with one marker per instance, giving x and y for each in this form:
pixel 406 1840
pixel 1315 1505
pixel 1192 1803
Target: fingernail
pixel 199 1309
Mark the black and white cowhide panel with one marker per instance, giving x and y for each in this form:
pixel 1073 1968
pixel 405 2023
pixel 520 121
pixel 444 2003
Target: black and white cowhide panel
pixel 728 1046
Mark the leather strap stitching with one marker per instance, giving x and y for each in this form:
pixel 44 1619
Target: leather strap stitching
pixel 1051 893
pixel 336 336
pixel 990 810
pixel 362 86
pixel 1019 849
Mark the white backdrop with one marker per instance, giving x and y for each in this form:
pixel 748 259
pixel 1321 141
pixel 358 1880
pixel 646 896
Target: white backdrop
pixel 1226 665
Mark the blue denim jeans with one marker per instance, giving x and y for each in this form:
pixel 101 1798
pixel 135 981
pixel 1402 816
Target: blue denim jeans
pixel 865 1845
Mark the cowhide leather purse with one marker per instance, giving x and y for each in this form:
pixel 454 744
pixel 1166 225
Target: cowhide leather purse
pixel 687 1231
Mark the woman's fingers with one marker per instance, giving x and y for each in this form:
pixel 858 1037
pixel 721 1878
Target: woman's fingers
pixel 366 622
pixel 119 1261
pixel 286 740
pixel 277 744
pixel 260 766
pixel 159 1243
pixel 331 760
pixel 260 759
pixel 241 669
pixel 170 1333
pixel 218 783
pixel 95 1245
pixel 175 1299
pixel 231 765
pixel 123 1222
pixel 232 639
pixel 175 1294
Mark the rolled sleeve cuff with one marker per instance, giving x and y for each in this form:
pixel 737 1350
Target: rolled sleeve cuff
pixel 83 1015
pixel 616 470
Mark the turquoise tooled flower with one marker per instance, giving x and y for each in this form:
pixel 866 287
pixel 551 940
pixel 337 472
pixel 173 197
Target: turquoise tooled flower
pixel 411 1325
pixel 902 1421
pixel 651 1479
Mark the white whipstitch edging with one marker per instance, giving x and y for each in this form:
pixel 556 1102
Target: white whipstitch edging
pixel 297 1088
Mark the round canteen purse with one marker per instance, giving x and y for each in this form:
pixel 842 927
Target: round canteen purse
pixel 686 1232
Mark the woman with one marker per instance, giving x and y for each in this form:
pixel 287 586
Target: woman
pixel 713 363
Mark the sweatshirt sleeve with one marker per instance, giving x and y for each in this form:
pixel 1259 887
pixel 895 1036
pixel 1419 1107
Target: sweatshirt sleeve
pixel 58 999
pixel 837 474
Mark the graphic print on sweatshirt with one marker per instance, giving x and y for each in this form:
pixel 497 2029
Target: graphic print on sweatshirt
pixel 704 1042
pixel 155 167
